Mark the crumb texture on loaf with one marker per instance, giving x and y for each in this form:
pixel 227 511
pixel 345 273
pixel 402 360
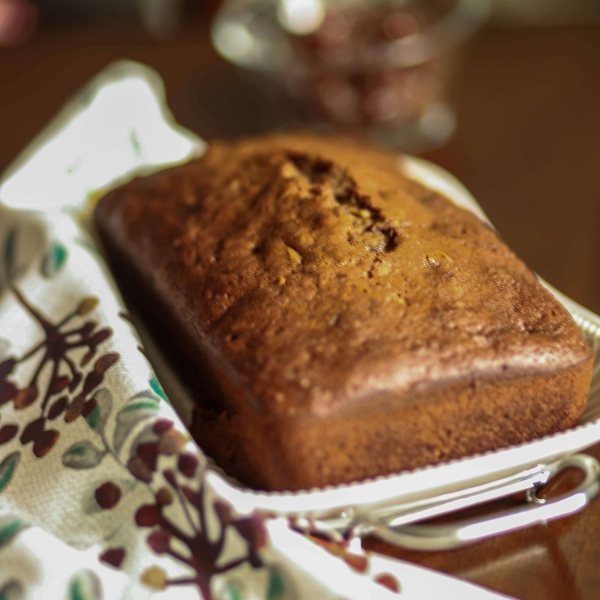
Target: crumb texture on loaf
pixel 320 283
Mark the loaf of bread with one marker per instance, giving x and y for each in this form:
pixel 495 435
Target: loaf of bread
pixel 340 321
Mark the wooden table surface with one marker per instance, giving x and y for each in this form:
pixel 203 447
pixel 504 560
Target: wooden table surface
pixel 528 147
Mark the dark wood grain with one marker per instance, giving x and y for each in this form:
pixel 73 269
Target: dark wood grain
pixel 528 146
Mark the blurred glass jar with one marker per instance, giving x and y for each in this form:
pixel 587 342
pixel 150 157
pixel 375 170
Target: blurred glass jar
pixel 378 67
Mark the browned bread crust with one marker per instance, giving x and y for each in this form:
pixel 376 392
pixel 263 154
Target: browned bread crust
pixel 346 322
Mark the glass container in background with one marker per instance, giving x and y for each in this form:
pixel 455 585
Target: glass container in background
pixel 382 68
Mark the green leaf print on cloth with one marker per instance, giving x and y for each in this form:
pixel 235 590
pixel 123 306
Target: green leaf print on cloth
pixel 54 260
pixel 8 467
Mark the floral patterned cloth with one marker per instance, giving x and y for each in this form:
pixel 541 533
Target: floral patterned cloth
pixel 103 494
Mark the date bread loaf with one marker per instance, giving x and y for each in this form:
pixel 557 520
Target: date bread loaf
pixel 341 321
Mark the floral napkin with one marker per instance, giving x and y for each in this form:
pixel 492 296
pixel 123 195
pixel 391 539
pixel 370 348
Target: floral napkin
pixel 103 494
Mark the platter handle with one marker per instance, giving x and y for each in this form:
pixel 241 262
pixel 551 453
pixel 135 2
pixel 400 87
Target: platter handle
pixel 536 511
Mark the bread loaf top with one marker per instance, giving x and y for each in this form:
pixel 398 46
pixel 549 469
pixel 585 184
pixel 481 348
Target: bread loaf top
pixel 321 279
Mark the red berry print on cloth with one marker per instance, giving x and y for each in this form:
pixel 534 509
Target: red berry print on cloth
pixel 8 432
pixel 187 465
pixel 113 557
pixel 107 495
pixel 389 581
